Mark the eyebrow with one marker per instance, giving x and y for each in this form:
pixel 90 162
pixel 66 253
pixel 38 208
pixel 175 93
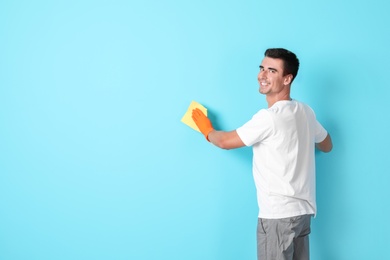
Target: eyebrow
pixel 270 68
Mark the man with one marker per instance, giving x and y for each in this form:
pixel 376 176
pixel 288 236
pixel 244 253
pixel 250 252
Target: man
pixel 283 138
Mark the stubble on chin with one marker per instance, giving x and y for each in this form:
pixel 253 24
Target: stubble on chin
pixel 263 91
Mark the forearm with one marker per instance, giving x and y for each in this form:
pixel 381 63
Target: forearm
pixel 225 140
pixel 222 139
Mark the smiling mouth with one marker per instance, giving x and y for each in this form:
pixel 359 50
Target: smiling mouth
pixel 262 83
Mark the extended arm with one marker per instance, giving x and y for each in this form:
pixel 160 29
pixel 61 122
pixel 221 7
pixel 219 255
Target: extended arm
pixel 222 139
pixel 226 140
pixel 326 145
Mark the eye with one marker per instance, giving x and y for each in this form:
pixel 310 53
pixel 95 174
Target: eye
pixel 272 71
pixel 261 68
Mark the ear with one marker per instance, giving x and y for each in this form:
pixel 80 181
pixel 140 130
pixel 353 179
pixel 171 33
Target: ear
pixel 288 79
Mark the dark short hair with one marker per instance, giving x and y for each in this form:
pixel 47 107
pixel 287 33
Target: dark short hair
pixel 290 60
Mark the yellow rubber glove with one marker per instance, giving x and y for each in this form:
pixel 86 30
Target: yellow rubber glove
pixel 202 121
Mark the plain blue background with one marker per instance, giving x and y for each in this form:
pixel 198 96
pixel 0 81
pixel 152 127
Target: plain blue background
pixel 95 163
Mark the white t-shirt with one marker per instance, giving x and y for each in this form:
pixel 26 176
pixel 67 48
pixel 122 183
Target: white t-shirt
pixel 283 139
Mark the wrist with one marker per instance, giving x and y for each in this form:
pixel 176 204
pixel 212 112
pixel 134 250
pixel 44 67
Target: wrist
pixel 207 134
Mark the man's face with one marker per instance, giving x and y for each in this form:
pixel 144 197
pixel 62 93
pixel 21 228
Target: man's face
pixel 270 77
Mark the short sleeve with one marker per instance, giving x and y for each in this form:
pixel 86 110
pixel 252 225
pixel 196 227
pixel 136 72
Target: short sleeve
pixel 320 133
pixel 257 129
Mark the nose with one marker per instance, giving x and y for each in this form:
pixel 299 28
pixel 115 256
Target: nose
pixel 262 74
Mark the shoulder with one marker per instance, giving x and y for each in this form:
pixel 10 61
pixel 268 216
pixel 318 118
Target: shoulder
pixel 304 106
pixel 263 115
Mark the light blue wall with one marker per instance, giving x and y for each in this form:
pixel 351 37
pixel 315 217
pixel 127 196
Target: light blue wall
pixel 95 163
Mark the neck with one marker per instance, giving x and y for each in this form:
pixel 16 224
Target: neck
pixel 271 100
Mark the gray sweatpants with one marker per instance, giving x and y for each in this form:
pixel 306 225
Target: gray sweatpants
pixel 283 239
